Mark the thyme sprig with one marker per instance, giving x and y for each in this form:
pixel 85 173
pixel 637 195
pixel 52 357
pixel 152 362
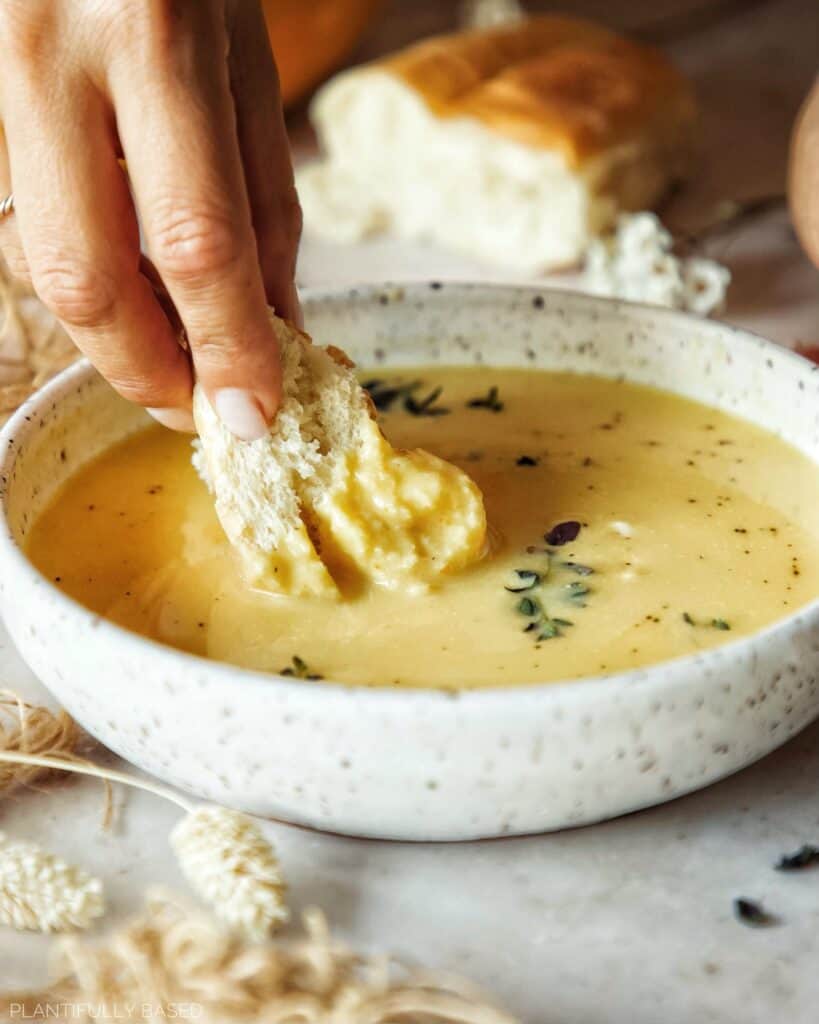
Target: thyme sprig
pixel 530 584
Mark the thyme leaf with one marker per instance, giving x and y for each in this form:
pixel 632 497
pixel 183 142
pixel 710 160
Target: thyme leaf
pixel 425 406
pixel 720 624
pixel 529 606
pixel 526 460
pixel 528 579
pixel 578 569
pixel 576 592
pixel 549 628
pixel 489 401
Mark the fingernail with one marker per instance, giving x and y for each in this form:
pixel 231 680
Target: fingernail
pixel 240 412
pixel 174 419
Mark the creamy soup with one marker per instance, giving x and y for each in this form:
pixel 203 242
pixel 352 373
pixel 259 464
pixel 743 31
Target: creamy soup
pixel 627 526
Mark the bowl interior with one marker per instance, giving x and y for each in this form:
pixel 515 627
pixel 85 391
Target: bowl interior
pixel 710 362
pixel 67 424
pixel 78 416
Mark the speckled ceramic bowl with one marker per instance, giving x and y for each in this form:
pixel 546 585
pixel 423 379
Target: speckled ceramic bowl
pixel 425 764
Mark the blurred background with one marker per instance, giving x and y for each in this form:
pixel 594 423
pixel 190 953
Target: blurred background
pixel 751 61
pixel 312 39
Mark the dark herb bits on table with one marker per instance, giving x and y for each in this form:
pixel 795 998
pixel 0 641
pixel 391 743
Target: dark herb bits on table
pixel 805 856
pixel 753 914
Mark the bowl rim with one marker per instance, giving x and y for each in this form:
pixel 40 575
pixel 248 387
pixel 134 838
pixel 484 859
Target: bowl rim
pixel 661 674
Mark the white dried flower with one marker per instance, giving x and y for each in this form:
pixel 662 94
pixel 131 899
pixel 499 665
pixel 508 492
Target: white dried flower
pixel 706 283
pixel 225 857
pixel 41 892
pixel 222 852
pixel 637 264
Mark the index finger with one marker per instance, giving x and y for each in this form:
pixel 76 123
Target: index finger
pixel 804 175
pixel 178 131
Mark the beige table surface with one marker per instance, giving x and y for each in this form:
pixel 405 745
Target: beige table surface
pixel 628 922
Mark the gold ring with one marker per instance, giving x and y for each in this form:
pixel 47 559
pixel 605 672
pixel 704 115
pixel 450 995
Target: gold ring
pixel 7 206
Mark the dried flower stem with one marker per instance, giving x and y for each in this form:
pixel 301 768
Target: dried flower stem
pixel 222 853
pixel 32 729
pixel 226 858
pixel 86 768
pixel 33 345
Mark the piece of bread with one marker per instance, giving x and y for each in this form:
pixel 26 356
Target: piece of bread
pixel 516 144
pixel 323 504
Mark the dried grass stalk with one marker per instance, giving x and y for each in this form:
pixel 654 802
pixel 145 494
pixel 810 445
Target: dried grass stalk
pixel 221 852
pixel 33 345
pixel 31 729
pixel 41 892
pixel 228 861
pixel 170 957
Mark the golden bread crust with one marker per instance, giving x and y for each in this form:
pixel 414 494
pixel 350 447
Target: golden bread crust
pixel 557 83
pixel 339 356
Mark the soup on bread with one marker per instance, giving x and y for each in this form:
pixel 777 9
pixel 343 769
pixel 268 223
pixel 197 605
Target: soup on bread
pixel 324 505
pixel 626 526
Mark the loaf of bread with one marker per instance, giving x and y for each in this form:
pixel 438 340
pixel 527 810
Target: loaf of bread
pixel 324 504
pixel 515 144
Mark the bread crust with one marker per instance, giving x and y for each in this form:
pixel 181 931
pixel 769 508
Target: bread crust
pixel 557 83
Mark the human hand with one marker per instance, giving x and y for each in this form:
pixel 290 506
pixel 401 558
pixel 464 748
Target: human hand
pixel 187 92
pixel 803 185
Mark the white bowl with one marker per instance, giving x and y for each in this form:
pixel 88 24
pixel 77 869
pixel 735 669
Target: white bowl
pixel 422 764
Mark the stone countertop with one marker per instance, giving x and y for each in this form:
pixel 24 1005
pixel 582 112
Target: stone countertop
pixel 629 922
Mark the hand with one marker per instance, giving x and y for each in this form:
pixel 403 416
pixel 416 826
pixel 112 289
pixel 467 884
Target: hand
pixel 803 186
pixel 187 92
